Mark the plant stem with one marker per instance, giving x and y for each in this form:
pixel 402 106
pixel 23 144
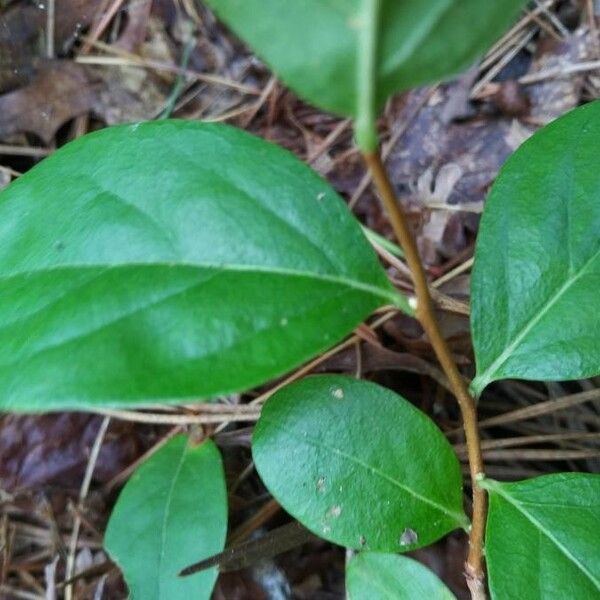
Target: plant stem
pixel 426 316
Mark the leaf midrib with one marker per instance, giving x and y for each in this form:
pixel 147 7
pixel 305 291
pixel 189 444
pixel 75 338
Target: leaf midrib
pixel 391 295
pixel 166 518
pixel 484 378
pixel 154 302
pixel 540 527
pixel 368 49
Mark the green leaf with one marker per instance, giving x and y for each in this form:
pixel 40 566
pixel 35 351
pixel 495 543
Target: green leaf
pixel 171 513
pixel 375 576
pixel 349 56
pixel 543 537
pixel 172 261
pixel 358 465
pixel 534 291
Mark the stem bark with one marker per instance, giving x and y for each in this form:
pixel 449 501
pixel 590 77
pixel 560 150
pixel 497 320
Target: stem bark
pixel 425 314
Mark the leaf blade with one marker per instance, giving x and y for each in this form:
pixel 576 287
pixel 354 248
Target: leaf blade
pixel 556 520
pixel 237 250
pixel 403 502
pixel 537 260
pixel 356 54
pixel 385 576
pixel 173 510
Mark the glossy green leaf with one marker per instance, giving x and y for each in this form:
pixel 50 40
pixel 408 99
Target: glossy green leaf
pixel 373 576
pixel 171 513
pixel 358 465
pixel 534 291
pixel 172 261
pixel 543 538
pixel 349 56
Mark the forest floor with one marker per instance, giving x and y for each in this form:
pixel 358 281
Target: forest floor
pixel 68 67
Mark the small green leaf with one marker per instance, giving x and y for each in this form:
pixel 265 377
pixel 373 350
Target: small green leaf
pixel 358 465
pixel 543 537
pixel 349 56
pixel 171 513
pixel 372 576
pixel 534 291
pixel 170 262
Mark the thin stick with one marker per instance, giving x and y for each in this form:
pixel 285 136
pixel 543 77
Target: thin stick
pixel 525 440
pixel 541 408
pixel 50 20
pixel 133 61
pixel 102 24
pixel 34 151
pixel 328 141
pixel 425 314
pixel 591 11
pixel 85 487
pixel 453 273
pixel 178 419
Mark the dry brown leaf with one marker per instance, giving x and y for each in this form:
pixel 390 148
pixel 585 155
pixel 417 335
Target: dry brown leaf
pixel 553 97
pixel 37 451
pixel 61 91
pixel 133 35
pixel 23 35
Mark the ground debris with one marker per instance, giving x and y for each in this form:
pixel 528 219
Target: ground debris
pixel 36 451
pixel 60 91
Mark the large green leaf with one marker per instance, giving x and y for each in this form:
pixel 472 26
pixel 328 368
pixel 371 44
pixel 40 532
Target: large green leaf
pixel 534 306
pixel 172 261
pixel 348 56
pixel 172 512
pixel 372 576
pixel 543 538
pixel 358 465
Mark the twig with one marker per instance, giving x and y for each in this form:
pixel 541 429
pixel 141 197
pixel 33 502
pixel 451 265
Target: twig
pixel 425 314
pixel 557 72
pixel 506 58
pixel 85 486
pixel 453 273
pixel 328 141
pixel 34 151
pixel 525 440
pixel 541 455
pixel 172 419
pixel 564 32
pixel 101 25
pixel 541 408
pixel 507 39
pixel 50 21
pixel 135 61
pixel 591 11
pixel 259 103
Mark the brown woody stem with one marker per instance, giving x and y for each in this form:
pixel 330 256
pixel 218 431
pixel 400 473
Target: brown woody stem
pixel 426 316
